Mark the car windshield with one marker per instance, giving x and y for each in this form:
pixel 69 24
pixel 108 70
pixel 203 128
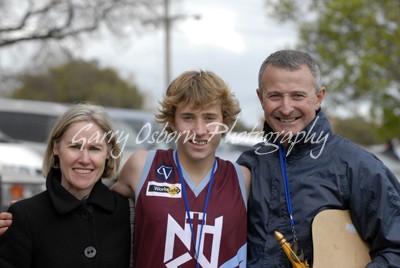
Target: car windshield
pixel 26 126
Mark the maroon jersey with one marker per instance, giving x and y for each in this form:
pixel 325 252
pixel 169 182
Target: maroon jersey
pixel 163 237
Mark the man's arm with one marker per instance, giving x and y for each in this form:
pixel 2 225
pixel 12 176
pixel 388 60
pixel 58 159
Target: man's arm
pixel 375 212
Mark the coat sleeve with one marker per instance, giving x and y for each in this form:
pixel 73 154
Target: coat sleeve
pixel 16 244
pixel 375 206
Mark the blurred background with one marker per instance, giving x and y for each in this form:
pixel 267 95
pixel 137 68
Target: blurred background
pixel 123 53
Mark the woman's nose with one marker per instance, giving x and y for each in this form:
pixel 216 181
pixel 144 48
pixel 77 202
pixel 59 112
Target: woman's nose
pixel 84 156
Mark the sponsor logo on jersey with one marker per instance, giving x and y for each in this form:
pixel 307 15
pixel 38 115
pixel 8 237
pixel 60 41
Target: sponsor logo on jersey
pixel 165 172
pixel 164 189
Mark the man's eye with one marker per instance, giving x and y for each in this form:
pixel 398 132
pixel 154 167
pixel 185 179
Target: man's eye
pixel 299 96
pixel 273 97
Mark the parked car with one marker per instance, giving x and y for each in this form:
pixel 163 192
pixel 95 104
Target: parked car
pixel 143 123
pixel 392 163
pixel 20 171
pixel 235 143
pixel 144 131
pixel 28 121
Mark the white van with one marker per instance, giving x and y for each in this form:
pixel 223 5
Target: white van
pixel 24 128
pixel 20 171
pixel 141 127
pixel 28 121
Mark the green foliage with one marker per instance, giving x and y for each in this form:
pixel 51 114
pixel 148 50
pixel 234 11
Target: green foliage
pixel 357 43
pixel 80 81
pixel 357 130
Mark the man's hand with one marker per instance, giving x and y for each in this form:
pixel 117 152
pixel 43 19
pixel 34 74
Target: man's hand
pixel 5 221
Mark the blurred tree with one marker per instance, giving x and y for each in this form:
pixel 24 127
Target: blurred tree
pixel 80 81
pixel 357 43
pixel 41 20
pixel 356 129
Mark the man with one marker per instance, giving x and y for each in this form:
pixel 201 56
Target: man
pixel 302 168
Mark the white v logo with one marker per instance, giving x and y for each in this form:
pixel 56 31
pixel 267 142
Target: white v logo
pixel 165 171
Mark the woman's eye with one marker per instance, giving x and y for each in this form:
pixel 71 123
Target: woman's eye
pixel 76 146
pixel 95 148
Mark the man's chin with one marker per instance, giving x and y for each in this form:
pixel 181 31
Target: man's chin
pixel 287 132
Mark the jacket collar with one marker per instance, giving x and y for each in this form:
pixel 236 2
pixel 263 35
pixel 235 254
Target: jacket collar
pixel 64 202
pixel 312 137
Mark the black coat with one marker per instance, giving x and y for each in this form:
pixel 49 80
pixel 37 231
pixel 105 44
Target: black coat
pixel 54 229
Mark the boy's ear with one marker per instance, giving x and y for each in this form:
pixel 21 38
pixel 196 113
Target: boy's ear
pixel 172 126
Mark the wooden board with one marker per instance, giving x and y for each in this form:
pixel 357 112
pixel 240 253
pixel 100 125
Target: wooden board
pixel 336 243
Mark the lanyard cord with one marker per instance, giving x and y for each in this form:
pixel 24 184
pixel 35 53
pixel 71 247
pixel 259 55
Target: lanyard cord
pixel 282 154
pixel 185 198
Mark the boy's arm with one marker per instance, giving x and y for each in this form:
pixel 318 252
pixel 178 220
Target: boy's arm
pixel 5 221
pixel 247 179
pixel 130 174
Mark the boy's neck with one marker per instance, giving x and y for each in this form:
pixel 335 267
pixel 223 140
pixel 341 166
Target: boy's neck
pixel 197 170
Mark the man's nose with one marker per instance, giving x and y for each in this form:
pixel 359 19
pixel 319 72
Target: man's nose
pixel 286 105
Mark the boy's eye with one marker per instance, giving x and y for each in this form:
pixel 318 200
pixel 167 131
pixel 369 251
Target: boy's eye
pixel 187 117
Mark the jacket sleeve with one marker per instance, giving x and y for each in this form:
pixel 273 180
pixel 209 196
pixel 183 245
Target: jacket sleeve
pixel 375 206
pixel 16 246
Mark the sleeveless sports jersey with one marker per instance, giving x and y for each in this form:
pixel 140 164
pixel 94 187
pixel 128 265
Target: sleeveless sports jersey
pixel 163 237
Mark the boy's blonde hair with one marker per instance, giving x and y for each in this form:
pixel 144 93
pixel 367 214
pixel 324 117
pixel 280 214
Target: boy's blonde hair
pixel 199 88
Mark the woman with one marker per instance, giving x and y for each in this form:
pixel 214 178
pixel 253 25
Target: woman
pixel 77 221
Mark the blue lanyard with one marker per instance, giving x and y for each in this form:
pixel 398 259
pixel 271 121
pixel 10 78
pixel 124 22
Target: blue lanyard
pixel 282 153
pixel 185 198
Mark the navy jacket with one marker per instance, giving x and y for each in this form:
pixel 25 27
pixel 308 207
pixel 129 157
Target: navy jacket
pixel 324 171
pixel 54 229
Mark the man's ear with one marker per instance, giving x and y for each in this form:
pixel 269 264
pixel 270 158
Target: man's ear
pixel 320 97
pixel 259 94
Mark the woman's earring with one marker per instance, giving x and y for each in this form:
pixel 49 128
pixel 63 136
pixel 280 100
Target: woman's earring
pixel 56 161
